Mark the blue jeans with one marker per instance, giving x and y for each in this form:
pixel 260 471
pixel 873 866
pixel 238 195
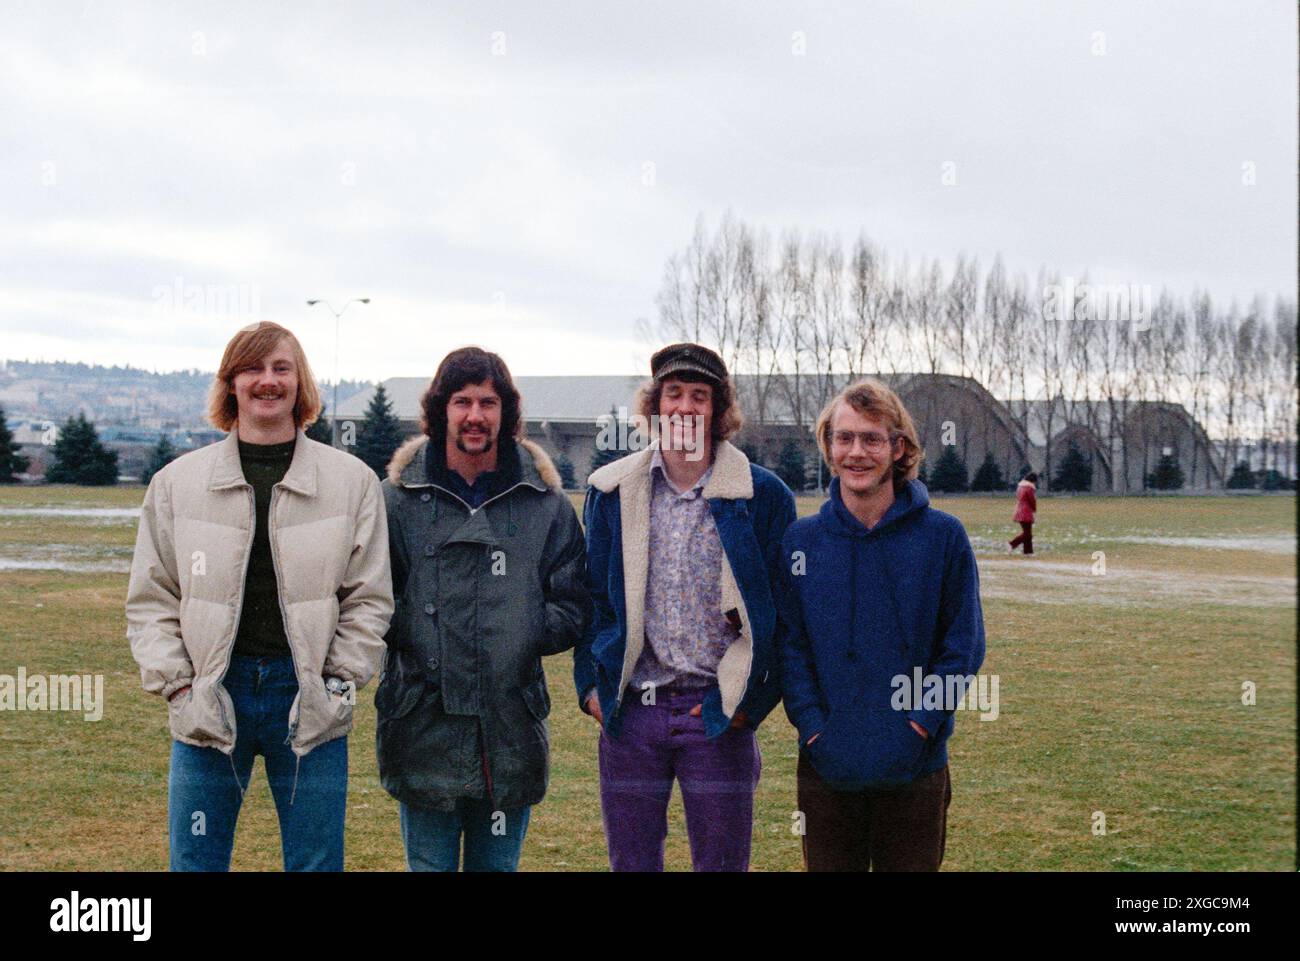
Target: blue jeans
pixel 206 787
pixel 493 838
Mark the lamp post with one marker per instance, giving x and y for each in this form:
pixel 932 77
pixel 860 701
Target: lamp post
pixel 338 316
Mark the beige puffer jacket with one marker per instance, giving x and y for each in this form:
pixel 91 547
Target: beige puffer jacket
pixel 329 544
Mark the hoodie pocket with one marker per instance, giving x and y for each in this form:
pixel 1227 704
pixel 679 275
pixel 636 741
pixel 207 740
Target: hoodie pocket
pixel 869 750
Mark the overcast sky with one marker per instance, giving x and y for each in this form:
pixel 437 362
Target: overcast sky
pixel 516 174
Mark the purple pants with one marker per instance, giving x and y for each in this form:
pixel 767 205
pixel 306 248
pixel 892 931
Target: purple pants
pixel 718 777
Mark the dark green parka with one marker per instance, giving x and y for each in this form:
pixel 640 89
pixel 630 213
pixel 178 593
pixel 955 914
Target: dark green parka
pixel 481 595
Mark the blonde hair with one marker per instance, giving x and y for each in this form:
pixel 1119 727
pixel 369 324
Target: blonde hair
pixel 873 398
pixel 250 345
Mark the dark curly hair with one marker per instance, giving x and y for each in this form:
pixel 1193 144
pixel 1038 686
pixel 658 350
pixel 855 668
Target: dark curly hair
pixel 464 366
pixel 727 418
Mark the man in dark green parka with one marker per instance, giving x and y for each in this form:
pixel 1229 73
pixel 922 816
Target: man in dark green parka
pixel 488 565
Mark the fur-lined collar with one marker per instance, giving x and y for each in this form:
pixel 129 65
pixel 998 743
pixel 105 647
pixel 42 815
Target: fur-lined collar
pixel 407 469
pixel 730 479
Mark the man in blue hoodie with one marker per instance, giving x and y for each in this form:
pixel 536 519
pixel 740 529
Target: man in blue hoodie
pixel 880 590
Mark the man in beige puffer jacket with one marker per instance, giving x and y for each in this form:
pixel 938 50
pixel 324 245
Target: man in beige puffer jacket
pixel 259 596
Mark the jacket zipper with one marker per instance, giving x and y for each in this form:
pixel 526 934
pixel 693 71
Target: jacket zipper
pixel 494 497
pixel 239 608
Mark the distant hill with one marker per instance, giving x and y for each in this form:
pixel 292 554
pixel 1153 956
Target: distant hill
pixel 121 396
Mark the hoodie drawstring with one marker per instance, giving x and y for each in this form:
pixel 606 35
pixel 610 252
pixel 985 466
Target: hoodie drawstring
pixel 294 793
pixel 853 599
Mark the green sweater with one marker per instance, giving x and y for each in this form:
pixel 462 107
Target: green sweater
pixel 261 625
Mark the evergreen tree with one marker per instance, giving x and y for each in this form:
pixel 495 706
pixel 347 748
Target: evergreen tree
pixel 79 457
pixel 608 453
pixel 380 433
pixel 320 430
pixel 1074 473
pixel 791 467
pixel 1167 476
pixel 1243 478
pixel 923 474
pixel 11 462
pixel 565 468
pixel 1272 480
pixel 751 453
pixel 950 472
pixel 989 476
pixel 163 454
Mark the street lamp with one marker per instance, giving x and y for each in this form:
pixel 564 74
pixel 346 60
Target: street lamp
pixel 338 315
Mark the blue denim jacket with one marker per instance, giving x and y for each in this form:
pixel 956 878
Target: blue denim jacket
pixel 752 508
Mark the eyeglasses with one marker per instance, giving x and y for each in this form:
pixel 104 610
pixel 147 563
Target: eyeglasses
pixel 872 441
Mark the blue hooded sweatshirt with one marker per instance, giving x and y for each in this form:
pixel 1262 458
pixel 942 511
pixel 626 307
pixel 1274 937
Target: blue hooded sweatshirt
pixel 867 608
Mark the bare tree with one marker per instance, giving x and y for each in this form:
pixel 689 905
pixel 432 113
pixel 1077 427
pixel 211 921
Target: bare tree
pixel 959 314
pixel 790 312
pixel 925 308
pixel 1166 339
pixel 826 342
pixel 1232 369
pixel 1013 347
pixel 1194 368
pixel 1284 381
pixel 1078 333
pixel 898 335
pixel 1257 385
pixel 764 333
pixel 800 317
pixel 868 310
pixel 683 293
pixel 1048 348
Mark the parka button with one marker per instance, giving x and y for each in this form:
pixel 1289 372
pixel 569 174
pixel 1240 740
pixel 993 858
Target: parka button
pixel 433 663
pixel 424 496
pixel 429 608
pixel 430 550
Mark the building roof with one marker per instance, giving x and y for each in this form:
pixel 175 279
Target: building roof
pixel 578 399
pixel 585 399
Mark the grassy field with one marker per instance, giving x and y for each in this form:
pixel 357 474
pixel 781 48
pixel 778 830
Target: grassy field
pixel 1120 692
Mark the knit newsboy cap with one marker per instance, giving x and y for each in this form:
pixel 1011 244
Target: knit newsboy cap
pixel 679 358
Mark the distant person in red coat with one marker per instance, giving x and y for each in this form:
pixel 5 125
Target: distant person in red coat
pixel 1026 504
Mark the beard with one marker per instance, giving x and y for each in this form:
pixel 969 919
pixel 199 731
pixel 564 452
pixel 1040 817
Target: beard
pixel 487 445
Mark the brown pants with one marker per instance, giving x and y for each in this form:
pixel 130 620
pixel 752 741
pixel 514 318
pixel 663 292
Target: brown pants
pixel 1026 537
pixel 899 830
